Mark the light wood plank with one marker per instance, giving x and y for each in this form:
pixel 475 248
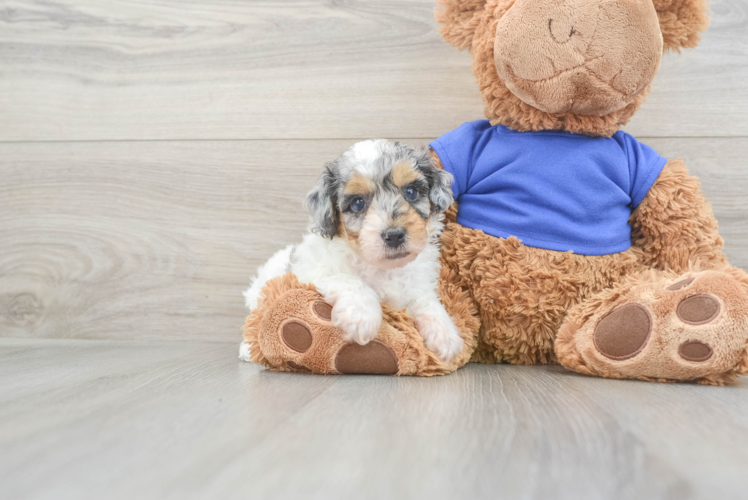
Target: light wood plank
pixel 122 240
pixel 93 70
pixel 720 165
pixel 158 239
pixel 700 92
pixel 92 419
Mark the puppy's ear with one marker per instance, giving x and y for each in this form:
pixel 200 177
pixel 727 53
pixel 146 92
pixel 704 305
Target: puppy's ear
pixel 321 203
pixel 440 183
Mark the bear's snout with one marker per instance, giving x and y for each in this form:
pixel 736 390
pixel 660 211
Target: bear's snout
pixel 589 57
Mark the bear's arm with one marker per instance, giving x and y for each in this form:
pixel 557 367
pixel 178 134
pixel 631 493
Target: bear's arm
pixel 674 225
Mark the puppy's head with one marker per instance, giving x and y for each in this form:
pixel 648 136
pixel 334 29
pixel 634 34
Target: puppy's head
pixel 380 196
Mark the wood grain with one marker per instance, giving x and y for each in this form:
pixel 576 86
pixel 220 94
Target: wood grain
pixel 156 240
pixel 93 419
pixel 167 69
pixel 152 154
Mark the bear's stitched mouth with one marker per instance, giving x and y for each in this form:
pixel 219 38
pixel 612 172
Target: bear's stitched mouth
pixel 560 73
pixel 519 84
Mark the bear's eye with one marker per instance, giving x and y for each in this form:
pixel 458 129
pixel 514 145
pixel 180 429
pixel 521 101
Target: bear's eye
pixel 411 194
pixel 358 204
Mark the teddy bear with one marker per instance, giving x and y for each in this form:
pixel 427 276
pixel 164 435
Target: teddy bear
pixel 569 241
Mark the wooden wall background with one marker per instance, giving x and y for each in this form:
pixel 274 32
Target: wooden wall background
pixel 153 153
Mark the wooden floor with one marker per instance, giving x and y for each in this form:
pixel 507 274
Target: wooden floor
pixel 138 419
pixel 152 154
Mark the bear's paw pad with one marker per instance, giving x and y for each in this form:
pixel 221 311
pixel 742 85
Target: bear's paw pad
pixel 375 358
pixel 691 328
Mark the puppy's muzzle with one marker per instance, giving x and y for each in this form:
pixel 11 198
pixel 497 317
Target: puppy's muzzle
pixel 394 237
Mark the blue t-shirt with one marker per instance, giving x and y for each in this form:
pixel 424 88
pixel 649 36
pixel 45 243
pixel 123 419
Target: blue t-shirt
pixel 552 190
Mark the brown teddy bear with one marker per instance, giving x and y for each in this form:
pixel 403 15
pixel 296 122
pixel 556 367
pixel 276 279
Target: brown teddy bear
pixel 573 242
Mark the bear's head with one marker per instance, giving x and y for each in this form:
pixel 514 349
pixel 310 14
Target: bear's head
pixel 583 66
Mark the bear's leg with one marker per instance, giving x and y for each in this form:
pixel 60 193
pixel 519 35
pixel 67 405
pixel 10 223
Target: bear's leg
pixel 291 331
pixel 662 326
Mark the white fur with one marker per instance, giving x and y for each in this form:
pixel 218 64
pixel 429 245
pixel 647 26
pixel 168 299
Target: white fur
pixel 355 282
pixel 244 351
pixel 278 265
pixel 363 155
pixel 355 288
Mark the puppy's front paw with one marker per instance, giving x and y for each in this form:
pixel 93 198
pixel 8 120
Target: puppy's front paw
pixel 244 351
pixel 358 317
pixel 440 335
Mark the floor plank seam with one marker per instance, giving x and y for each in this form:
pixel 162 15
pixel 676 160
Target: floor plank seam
pixel 281 139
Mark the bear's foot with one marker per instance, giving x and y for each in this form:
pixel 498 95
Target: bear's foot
pixel 291 331
pixel 662 328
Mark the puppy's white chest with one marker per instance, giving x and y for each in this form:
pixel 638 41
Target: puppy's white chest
pixel 395 287
pixel 394 292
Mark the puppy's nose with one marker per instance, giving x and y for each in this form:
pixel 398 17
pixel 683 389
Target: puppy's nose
pixel 394 236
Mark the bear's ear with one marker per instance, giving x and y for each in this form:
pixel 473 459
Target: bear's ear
pixel 681 21
pixel 459 20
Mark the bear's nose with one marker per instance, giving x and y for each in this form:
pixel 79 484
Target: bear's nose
pixel 394 236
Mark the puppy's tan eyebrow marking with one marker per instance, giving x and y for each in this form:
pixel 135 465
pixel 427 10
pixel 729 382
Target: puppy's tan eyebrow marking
pixel 413 223
pixel 359 184
pixel 403 174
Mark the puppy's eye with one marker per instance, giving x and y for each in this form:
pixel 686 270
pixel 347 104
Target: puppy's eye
pixel 358 204
pixel 411 194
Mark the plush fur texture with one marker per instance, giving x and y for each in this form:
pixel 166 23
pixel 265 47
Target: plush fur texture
pixel 598 56
pixel 681 21
pixel 522 292
pixel 674 226
pixel 522 305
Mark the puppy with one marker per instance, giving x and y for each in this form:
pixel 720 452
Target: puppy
pixel 376 215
